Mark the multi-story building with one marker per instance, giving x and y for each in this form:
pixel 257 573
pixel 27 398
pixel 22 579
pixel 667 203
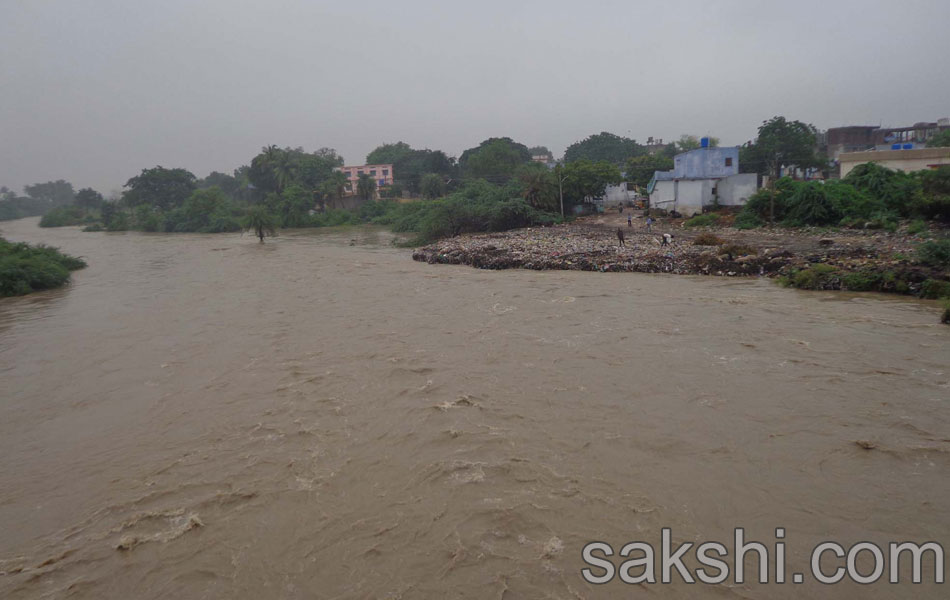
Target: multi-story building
pixel 382 174
pixel 860 138
pixel 900 159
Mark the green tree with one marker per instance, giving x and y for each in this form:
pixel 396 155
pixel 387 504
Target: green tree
pixel 540 151
pixel 640 169
pixel 540 188
pixel 388 154
pixel 604 146
pixel 587 179
pixel 784 143
pixel 691 142
pixel 108 210
pixel 366 187
pixel 53 193
pixel 160 188
pixel 495 159
pixel 88 198
pixel 409 168
pixel 331 191
pixel 260 222
pixel 940 140
pixel 432 186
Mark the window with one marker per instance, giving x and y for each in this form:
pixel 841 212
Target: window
pixel 372 171
pixel 385 172
pixel 360 172
pixel 729 161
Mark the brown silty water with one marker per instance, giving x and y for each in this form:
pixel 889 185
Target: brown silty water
pixel 318 416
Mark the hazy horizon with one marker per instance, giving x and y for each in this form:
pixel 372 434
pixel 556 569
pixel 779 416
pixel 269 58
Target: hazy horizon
pixel 94 93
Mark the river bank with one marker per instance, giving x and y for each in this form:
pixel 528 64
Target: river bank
pixel 885 260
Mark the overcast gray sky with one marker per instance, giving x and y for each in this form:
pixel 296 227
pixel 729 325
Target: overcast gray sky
pixel 93 91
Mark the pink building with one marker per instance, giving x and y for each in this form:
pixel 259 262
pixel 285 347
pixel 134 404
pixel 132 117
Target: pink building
pixel 383 174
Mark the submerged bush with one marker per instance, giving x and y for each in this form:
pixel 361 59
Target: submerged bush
pixel 814 277
pixel 63 216
pixel 25 268
pixel 476 207
pixel 935 289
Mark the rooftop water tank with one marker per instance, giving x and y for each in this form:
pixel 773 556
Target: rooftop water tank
pixel 908 146
pixel 704 142
pixel 895 146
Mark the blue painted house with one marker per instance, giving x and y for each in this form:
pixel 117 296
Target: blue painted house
pixel 700 178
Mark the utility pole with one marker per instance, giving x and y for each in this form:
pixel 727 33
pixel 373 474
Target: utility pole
pixel 560 186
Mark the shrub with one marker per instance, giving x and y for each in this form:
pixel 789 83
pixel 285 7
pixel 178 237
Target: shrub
pixel 25 268
pixel 705 220
pixel 760 203
pixel 707 239
pixel 63 216
pixel 898 191
pixel 814 277
pixel 935 253
pixel 934 200
pixel 810 205
pixel 862 281
pixel 917 226
pixel 934 289
pixel 946 313
pixel 850 202
pixel 747 220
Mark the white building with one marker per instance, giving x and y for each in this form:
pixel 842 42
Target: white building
pixel 701 178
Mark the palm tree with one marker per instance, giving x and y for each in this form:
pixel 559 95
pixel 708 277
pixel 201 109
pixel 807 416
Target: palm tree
pixel 540 190
pixel 285 170
pixel 259 221
pixel 366 187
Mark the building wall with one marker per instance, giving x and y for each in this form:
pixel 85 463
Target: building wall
pixel 685 196
pixel 615 194
pixel 689 196
pixel 383 174
pixel 707 162
pixel 902 160
pixel 736 190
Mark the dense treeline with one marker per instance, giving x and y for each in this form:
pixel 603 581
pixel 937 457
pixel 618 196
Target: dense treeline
pixel 39 198
pixel 492 185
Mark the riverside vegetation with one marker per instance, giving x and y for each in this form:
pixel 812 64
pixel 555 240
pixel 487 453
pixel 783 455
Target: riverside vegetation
pixel 495 187
pixel 25 268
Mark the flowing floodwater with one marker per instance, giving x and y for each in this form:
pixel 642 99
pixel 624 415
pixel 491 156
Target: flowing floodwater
pixel 204 416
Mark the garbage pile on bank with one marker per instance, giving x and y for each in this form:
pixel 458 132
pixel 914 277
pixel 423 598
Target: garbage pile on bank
pixel 589 249
pixel 590 244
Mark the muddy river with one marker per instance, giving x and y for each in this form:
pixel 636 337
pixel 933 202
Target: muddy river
pixel 318 416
